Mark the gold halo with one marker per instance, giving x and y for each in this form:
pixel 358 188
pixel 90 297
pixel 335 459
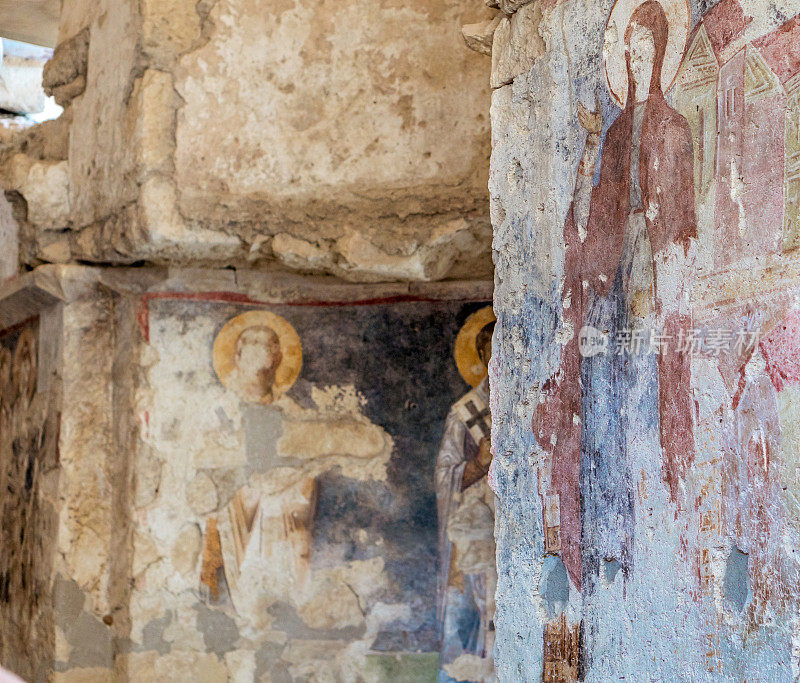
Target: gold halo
pixel 466 352
pixel 26 344
pixel 291 350
pixel 678 18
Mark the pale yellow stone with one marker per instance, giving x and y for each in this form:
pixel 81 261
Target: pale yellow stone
pixel 167 231
pixel 479 36
pixel 145 552
pixel 241 666
pixel 331 604
pixel 169 27
pixel 154 129
pixel 45 186
pixel 298 253
pixel 312 439
pixel 201 494
pixel 178 665
pixel 517 43
pixel 89 675
pixel 57 251
pixel 186 551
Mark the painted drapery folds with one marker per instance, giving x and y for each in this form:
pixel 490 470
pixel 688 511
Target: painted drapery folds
pixel 465 505
pixel 663 421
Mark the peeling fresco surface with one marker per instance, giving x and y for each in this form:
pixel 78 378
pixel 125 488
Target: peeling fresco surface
pixel 287 528
pixel 646 362
pixel 28 462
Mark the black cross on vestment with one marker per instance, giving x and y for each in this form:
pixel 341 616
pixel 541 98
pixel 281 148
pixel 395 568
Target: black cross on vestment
pixel 478 418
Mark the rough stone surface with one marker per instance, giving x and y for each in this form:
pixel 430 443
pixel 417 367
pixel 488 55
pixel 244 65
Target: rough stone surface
pixel 367 183
pixel 21 84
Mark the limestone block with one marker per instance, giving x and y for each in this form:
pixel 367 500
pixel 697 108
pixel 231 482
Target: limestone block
pixel 169 27
pixel 511 6
pixel 21 85
pixel 201 494
pixel 314 439
pixel 54 250
pixel 45 187
pixel 295 128
pixel 179 665
pixel 145 553
pixel 332 604
pixel 479 36
pixel 167 231
pixel 430 260
pixel 517 43
pixel 9 238
pixel 84 675
pixel 64 76
pixel 241 665
pixel 186 551
pixel 155 110
pixel 300 254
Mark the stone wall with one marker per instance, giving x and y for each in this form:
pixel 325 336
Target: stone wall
pixel 329 138
pixel 56 513
pixel 185 519
pixel 645 419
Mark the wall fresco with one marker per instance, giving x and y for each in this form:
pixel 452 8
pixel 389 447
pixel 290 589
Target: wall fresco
pixel 655 437
pixel 285 505
pixel 27 455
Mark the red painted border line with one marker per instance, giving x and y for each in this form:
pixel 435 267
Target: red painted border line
pixel 143 314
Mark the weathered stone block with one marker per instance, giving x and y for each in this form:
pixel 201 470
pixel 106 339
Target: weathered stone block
pixel 516 45
pixel 64 75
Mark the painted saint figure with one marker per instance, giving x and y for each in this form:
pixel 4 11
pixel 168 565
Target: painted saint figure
pixel 465 504
pixel 258 356
pixel 610 421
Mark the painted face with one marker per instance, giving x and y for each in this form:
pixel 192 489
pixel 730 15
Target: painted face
pixel 641 50
pixel 257 350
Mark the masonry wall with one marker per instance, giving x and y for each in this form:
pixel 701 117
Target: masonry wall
pixel 325 150
pixel 167 523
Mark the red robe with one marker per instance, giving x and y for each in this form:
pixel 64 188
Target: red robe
pixel 666 171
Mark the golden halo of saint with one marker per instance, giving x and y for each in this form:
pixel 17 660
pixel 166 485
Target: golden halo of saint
pixel 678 18
pixel 468 359
pixel 258 355
pixel 24 367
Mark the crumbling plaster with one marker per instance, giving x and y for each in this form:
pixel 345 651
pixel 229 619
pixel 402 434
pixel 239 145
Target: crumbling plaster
pixel 135 488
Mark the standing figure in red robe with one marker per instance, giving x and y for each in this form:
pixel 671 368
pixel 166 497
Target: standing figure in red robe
pixel 627 272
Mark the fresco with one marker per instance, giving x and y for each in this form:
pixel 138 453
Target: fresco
pixel 467 568
pixel 288 457
pixel 27 456
pixel 668 433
